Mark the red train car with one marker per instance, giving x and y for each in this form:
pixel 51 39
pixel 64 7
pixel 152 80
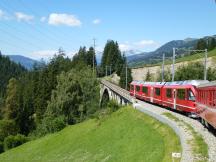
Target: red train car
pixel 181 96
pixel 206 103
pixel 176 95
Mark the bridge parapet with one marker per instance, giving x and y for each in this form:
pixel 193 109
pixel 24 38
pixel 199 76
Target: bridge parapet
pixel 121 95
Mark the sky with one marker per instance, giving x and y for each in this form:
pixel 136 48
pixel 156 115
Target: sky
pixel 38 28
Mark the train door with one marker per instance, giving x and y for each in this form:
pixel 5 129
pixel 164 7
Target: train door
pixel 174 98
pixel 152 94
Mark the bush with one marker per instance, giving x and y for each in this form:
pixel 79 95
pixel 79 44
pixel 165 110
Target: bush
pixel 50 125
pixel 14 141
pixel 7 127
pixel 113 106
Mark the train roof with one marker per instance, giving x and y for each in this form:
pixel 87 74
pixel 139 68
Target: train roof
pixel 209 84
pixel 186 82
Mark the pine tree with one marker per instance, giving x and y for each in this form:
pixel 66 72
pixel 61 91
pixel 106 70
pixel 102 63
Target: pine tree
pixel 122 81
pixel 212 44
pixel 12 105
pixel 89 57
pixel 148 76
pixel 112 57
pixel 201 44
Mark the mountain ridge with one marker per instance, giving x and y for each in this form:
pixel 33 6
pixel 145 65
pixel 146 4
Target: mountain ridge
pixel 167 48
pixel 27 62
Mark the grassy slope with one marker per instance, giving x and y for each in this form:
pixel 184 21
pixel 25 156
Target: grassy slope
pixel 126 135
pixel 178 60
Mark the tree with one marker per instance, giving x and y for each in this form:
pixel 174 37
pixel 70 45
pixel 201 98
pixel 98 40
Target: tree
pixel 212 44
pixel 89 57
pixel 148 76
pixel 201 44
pixel 12 106
pixel 13 109
pixel 192 71
pixel 167 75
pixel 112 57
pixel 122 81
pixel 76 95
pixel 8 69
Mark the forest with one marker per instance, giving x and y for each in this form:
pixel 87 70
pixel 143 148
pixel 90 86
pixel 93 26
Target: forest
pixel 51 96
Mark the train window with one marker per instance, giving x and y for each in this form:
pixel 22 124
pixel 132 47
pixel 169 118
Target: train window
pixel 169 93
pixel 132 87
pixel 145 90
pixel 137 88
pixel 181 94
pixel 191 96
pixel 157 91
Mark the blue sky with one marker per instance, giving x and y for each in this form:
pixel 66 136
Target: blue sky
pixel 37 28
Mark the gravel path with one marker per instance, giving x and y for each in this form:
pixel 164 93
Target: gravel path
pixel 184 133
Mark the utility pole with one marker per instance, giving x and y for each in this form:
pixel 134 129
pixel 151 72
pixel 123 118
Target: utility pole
pixel 126 77
pixel 93 56
pixel 163 67
pixel 173 65
pixel 205 70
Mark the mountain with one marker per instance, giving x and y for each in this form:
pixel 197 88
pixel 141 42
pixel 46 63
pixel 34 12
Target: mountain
pixel 25 61
pixel 167 49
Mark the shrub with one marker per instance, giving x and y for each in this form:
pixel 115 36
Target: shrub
pixel 50 125
pixel 113 106
pixel 14 141
pixel 7 127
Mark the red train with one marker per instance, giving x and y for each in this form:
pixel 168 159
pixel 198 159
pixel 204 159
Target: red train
pixel 206 103
pixel 175 95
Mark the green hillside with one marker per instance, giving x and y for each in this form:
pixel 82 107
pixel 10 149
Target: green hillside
pixel 126 135
pixel 193 57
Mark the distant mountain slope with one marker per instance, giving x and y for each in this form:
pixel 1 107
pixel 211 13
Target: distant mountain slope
pixel 152 57
pixel 25 61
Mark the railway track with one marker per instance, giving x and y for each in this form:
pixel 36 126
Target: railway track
pixel 186 135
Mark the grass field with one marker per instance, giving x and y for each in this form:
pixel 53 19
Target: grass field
pixel 126 135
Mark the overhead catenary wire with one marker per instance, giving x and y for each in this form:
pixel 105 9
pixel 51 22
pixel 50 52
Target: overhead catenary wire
pixel 49 33
pixel 30 25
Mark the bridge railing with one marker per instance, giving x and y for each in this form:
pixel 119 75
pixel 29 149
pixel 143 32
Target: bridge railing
pixel 120 91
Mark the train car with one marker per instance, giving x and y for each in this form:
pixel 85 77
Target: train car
pixel 176 95
pixel 157 92
pixel 181 96
pixel 136 89
pixel 206 103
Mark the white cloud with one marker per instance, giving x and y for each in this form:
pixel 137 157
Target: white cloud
pixel 143 45
pixel 63 19
pixel 3 15
pixel 96 21
pixel 48 54
pixel 43 19
pixel 44 54
pixel 125 47
pixel 23 17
